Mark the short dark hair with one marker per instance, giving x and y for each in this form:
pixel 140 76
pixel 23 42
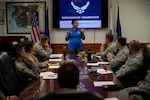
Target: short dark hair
pixel 68 75
pixel 16 49
pixel 134 45
pixel 109 36
pixel 73 21
pixel 44 37
pixel 122 40
pixel 27 45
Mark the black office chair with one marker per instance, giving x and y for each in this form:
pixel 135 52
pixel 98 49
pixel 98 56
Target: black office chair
pixel 146 54
pixel 8 80
pixel 144 95
pixel 71 96
pixel 141 73
pixel 23 39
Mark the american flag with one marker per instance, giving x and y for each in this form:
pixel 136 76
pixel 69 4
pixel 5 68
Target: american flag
pixel 35 33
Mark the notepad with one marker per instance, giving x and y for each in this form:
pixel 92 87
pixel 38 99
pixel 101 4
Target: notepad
pixel 101 83
pixel 103 71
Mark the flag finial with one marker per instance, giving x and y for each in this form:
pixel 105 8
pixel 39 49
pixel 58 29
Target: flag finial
pixel 36 6
pixel 117 2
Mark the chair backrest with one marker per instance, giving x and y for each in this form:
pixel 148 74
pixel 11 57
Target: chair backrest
pixel 72 96
pixel 146 62
pixel 8 79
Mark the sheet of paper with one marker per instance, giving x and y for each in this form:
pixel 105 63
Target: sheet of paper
pixel 56 55
pixel 101 83
pixel 53 67
pixel 102 71
pixel 92 64
pixel 48 75
pixel 55 59
pixel 113 98
pixel 103 63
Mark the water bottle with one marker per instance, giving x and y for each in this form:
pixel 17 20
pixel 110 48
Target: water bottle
pixel 89 53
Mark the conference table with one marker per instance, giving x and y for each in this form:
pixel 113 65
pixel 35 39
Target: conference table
pixel 88 75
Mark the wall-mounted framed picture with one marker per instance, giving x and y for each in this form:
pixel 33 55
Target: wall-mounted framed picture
pixel 19 16
pixel 1 17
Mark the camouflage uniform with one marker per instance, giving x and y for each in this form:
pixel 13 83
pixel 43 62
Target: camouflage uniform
pixel 133 63
pixel 143 87
pixel 116 61
pixel 42 53
pixel 22 67
pixel 110 48
pixel 146 86
pixel 37 63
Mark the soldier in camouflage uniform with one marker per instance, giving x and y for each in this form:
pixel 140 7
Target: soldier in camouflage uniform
pixel 116 61
pixel 128 71
pixel 36 65
pixel 143 86
pixel 108 46
pixel 23 69
pixel 42 49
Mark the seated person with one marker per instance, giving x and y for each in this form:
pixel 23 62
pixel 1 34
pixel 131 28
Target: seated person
pixel 68 76
pixel 23 69
pixel 68 80
pixel 143 86
pixel 116 61
pixel 107 46
pixel 133 64
pixel 42 50
pixel 35 64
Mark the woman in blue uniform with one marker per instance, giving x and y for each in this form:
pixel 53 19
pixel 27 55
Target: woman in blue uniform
pixel 74 36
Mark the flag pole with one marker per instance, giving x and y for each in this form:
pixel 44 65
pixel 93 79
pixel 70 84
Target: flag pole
pixel 118 27
pixel 35 6
pixel 35 32
pixel 47 24
pixel 34 3
pixel 110 17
